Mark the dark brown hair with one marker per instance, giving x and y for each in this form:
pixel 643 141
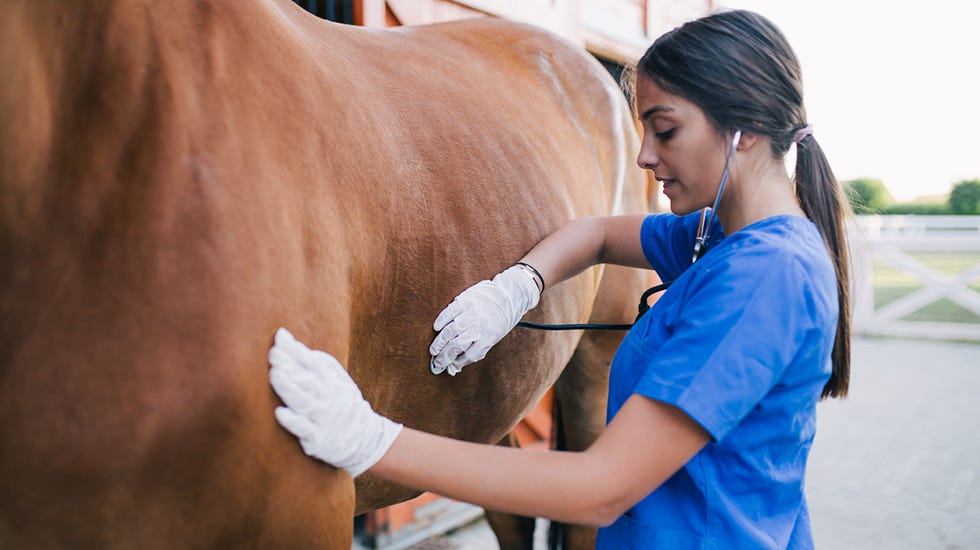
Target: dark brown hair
pixel 741 71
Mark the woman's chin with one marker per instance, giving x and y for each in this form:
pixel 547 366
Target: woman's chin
pixel 680 209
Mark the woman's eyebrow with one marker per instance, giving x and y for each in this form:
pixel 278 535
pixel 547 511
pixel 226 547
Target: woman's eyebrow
pixel 654 110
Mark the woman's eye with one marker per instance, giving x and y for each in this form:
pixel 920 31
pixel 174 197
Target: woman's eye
pixel 665 135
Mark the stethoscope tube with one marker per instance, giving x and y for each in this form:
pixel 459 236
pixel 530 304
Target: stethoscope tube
pixel 700 243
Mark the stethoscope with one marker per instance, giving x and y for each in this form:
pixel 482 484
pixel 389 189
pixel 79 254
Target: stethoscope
pixel 701 241
pixel 700 247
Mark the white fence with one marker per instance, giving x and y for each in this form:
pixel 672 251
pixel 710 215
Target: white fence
pixel 893 241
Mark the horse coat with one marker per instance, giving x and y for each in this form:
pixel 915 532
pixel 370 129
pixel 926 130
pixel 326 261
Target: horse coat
pixel 179 179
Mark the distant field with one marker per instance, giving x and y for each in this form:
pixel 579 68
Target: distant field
pixel 891 284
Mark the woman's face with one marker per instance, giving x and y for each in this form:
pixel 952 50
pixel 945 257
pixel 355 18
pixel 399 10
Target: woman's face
pixel 680 145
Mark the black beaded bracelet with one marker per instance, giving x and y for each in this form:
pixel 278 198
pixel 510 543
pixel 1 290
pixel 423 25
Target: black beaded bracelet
pixel 535 272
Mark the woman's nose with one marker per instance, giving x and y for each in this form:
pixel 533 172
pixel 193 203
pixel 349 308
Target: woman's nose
pixel 647 159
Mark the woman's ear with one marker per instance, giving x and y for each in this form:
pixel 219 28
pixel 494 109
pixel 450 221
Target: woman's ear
pixel 747 141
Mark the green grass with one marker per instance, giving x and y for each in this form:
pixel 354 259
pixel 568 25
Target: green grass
pixel 891 284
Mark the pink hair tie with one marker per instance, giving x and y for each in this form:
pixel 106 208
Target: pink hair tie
pixel 802 133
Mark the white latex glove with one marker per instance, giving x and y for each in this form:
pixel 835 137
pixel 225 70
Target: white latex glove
pixel 480 317
pixel 325 409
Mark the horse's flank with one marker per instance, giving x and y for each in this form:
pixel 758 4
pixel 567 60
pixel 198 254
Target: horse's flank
pixel 179 179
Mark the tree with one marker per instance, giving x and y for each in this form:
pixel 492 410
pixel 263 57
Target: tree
pixel 867 195
pixel 965 197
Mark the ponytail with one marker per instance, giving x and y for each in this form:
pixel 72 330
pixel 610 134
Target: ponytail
pixel 823 201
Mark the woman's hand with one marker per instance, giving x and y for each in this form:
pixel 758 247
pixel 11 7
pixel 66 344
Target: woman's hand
pixel 480 317
pixel 324 407
pixel 483 314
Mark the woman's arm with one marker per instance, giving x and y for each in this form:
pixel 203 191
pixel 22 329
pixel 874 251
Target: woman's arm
pixel 584 242
pixel 645 444
pixel 483 314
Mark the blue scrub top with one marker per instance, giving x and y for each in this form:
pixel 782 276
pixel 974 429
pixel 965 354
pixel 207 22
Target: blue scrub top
pixel 741 342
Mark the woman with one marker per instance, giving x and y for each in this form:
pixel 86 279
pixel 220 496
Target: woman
pixel 713 392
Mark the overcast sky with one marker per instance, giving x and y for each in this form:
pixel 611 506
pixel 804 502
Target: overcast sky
pixel 892 89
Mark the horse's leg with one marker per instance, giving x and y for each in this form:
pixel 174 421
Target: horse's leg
pixel 580 394
pixel 581 390
pixel 513 532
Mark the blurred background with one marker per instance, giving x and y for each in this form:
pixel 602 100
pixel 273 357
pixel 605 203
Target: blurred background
pixel 891 90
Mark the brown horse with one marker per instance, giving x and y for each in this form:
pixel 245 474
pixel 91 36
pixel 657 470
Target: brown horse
pixel 178 179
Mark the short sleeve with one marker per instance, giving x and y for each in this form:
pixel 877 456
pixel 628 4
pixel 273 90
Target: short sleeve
pixel 740 327
pixel 668 242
